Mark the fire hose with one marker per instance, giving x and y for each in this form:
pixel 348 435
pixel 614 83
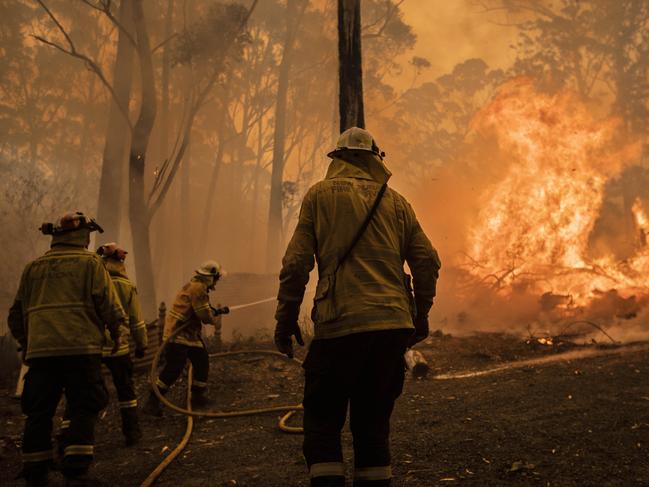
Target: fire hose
pixel 289 410
pixel 222 414
pixel 153 476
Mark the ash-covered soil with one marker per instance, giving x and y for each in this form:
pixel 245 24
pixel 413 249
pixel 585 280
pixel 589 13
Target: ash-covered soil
pixel 579 420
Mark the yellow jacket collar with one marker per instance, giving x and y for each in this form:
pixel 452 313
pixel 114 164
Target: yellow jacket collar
pixel 359 166
pixel 76 238
pixel 206 280
pixel 115 268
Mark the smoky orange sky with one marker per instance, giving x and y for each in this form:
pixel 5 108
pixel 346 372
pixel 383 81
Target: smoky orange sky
pixel 451 31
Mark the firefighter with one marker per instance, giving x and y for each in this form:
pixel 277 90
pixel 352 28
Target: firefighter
pixel 65 301
pixel 190 310
pixel 360 232
pixel 119 363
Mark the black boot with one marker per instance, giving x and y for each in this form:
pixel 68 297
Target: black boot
pixel 153 405
pixel 35 474
pixel 200 400
pixel 84 480
pixel 34 479
pixel 131 426
pixel 329 481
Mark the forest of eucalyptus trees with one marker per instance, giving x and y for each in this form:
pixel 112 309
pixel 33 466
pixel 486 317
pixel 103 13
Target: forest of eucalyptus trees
pixel 192 128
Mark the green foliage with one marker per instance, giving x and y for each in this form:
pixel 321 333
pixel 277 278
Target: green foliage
pixel 435 117
pixel 600 49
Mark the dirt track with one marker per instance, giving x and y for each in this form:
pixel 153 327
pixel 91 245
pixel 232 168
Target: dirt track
pixel 583 421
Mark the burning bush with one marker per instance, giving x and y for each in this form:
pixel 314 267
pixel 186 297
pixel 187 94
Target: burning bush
pixel 538 165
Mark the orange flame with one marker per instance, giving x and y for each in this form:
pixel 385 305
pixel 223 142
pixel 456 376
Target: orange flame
pixel 640 215
pixel 534 225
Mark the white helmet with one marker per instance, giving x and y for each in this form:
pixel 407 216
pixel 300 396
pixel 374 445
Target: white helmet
pixel 356 139
pixel 210 268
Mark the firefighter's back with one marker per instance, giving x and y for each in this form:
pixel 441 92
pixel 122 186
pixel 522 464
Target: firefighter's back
pixel 59 304
pixel 64 301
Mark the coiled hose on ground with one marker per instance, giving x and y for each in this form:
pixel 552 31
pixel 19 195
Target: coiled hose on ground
pixel 221 414
pixel 289 409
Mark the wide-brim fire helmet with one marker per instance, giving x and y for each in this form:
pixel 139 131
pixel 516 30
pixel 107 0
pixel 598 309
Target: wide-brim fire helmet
pixel 112 251
pixel 211 268
pixel 71 222
pixel 356 139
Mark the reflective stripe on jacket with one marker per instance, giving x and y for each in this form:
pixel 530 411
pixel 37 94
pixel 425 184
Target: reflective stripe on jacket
pixel 369 291
pixel 128 297
pixel 192 305
pixel 64 302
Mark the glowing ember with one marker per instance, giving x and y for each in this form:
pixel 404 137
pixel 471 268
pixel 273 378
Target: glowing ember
pixel 534 225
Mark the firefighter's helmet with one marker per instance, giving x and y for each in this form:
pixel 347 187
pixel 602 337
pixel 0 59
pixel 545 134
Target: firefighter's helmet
pixel 210 268
pixel 356 139
pixel 71 222
pixel 112 251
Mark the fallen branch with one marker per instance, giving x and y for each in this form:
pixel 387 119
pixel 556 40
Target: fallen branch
pixel 594 325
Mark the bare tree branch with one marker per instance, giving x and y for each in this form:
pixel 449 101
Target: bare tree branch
pixel 195 106
pixel 58 24
pixel 105 9
pixel 90 64
pixel 390 10
pixel 163 43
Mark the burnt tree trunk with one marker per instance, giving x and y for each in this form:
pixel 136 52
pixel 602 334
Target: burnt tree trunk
pixel 138 211
pixel 117 133
pixel 274 234
pixel 350 65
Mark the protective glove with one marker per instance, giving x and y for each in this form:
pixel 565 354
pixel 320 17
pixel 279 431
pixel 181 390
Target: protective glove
pixel 284 331
pixel 287 315
pixel 220 311
pixel 140 352
pixel 421 331
pixel 420 322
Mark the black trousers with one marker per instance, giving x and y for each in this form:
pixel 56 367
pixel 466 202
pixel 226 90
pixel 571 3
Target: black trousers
pixel 176 356
pixel 121 370
pixel 366 372
pixel 79 377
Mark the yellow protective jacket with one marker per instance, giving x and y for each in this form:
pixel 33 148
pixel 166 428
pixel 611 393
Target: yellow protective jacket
pixel 370 291
pixel 192 307
pixel 64 302
pixel 128 297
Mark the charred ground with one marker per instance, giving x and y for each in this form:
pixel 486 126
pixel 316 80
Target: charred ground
pixel 577 421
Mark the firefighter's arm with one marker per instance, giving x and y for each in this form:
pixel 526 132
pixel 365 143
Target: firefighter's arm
pixel 106 301
pixel 203 309
pixel 16 319
pixel 137 324
pixel 297 263
pixel 424 264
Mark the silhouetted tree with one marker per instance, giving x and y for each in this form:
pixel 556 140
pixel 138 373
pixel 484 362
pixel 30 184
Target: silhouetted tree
pixel 350 65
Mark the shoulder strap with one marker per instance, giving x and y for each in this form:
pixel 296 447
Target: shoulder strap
pixel 363 227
